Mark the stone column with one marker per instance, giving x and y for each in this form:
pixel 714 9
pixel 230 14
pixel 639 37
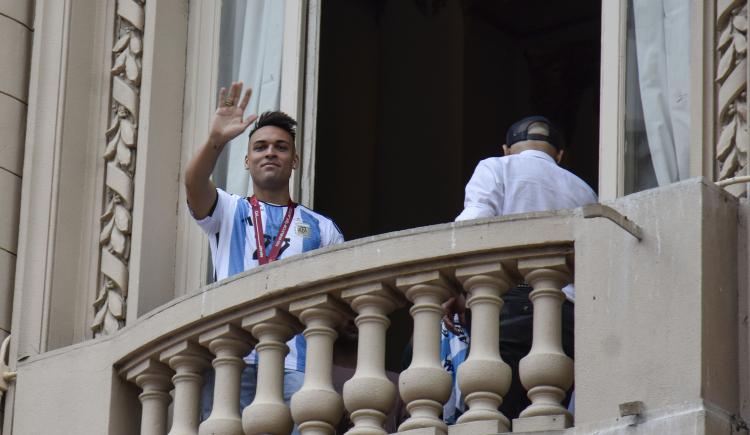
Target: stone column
pixel 154 379
pixel 317 407
pixel 16 34
pixel 484 378
pixel 230 344
pixel 369 395
pixel 546 372
pixel 268 414
pixel 189 361
pixel 425 386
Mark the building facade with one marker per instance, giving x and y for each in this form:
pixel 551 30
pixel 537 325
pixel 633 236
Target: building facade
pixel 107 305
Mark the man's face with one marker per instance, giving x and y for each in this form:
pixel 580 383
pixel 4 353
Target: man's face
pixel 271 157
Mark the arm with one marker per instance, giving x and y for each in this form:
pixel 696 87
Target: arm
pixel 484 194
pixel 226 124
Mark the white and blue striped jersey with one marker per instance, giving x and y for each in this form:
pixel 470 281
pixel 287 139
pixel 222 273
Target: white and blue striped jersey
pixel 233 248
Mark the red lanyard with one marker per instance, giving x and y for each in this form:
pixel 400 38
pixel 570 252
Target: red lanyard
pixel 259 239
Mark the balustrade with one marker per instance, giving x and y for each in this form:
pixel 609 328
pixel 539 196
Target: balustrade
pixel 369 396
pixel 484 378
pixel 268 414
pixel 189 361
pixel 546 372
pixel 154 379
pixel 229 343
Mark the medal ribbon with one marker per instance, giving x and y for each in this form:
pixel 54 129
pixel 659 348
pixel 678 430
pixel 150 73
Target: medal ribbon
pixel 258 225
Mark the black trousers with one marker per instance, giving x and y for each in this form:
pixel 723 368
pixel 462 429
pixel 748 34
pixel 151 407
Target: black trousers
pixel 516 328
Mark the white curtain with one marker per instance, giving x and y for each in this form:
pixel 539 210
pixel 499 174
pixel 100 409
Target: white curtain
pixel 662 33
pixel 257 58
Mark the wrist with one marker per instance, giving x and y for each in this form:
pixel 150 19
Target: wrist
pixel 215 142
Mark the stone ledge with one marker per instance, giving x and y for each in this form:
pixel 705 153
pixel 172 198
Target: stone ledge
pixel 542 423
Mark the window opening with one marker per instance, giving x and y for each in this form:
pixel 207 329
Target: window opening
pixel 412 94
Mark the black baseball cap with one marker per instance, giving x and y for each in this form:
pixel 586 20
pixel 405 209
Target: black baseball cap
pixel 520 131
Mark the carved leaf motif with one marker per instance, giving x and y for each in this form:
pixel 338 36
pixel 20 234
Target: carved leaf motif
pixel 726 140
pixel 741 138
pixel 128 133
pixel 742 110
pixel 132 72
pixel 136 45
pixel 725 64
pixel 124 155
pixel 109 152
pixel 106 232
pixel 115 126
pixel 101 298
pixel 730 165
pixel 115 302
pixel 99 317
pixel 117 241
pixel 725 37
pixel 122 219
pixel 111 325
pixel 740 23
pixel 108 212
pixel 119 65
pixel 740 43
pixel 121 43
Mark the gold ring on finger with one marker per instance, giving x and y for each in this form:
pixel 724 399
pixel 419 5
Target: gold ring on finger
pixel 229 102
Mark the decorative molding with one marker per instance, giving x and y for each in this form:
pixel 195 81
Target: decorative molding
pixel 731 101
pixel 120 160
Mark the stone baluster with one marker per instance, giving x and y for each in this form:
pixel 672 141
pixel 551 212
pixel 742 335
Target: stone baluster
pixel 369 395
pixel 268 414
pixel 189 361
pixel 230 344
pixel 425 386
pixel 317 407
pixel 153 378
pixel 546 372
pixel 484 378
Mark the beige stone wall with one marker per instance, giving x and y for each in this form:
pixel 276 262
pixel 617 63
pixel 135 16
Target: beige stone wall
pixel 16 30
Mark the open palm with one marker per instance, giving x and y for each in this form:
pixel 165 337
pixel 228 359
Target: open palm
pixel 228 122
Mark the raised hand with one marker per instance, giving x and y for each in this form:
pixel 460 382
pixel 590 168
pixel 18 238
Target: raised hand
pixel 228 123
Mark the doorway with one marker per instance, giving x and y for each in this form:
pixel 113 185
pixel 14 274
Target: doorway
pixel 413 93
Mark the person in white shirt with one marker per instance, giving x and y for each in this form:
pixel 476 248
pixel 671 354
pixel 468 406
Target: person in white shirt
pixel 248 232
pixel 526 179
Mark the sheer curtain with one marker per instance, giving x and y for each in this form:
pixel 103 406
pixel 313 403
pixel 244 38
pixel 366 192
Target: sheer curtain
pixel 252 38
pixel 662 39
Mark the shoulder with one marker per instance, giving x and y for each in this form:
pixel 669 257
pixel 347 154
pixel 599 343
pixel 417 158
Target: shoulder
pixel 323 221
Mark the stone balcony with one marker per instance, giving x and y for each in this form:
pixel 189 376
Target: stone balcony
pixel 656 324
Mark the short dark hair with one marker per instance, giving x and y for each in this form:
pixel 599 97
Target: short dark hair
pixel 277 119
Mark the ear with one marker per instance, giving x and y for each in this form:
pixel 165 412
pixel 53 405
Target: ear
pixel 295 161
pixel 247 162
pixel 506 150
pixel 559 156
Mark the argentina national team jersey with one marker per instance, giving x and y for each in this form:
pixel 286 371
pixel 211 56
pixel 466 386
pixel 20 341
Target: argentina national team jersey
pixel 233 248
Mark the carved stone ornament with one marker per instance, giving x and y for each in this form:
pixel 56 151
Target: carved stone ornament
pixel 731 78
pixel 120 159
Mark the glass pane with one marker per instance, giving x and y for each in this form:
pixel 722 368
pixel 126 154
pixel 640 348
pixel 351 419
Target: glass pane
pixel 250 51
pixel 657 100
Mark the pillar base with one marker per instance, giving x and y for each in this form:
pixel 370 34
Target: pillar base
pixel 486 427
pixel 542 423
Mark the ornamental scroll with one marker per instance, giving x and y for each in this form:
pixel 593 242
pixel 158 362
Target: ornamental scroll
pixel 731 77
pixel 120 159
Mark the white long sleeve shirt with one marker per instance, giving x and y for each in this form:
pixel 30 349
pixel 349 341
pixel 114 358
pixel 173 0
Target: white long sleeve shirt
pixel 522 183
